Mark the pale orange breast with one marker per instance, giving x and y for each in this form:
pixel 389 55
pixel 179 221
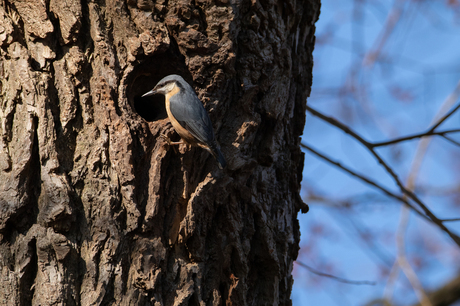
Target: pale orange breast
pixel 183 133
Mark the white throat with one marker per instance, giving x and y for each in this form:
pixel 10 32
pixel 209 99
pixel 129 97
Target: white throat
pixel 169 87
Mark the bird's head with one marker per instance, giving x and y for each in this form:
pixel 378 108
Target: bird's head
pixel 166 85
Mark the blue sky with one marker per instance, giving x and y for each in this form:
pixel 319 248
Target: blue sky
pixel 418 68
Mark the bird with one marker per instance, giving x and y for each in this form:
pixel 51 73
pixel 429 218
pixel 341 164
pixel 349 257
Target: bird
pixel 187 115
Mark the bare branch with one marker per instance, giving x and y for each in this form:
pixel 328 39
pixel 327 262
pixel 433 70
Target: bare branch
pixel 451 140
pixel 450 220
pixel 390 24
pixel 415 136
pixel 404 263
pixel 364 179
pixel 447 294
pixel 390 171
pixel 339 279
pixel 444 118
pixel 346 202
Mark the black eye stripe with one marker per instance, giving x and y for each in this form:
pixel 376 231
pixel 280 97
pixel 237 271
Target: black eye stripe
pixel 166 83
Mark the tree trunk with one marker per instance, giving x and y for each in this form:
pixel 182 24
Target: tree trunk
pixel 95 207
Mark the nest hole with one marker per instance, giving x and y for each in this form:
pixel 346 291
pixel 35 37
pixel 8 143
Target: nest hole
pixel 146 75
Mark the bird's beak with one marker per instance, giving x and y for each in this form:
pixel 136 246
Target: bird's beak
pixel 149 93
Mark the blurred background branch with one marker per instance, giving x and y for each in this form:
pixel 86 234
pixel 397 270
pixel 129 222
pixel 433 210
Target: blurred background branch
pixel 384 72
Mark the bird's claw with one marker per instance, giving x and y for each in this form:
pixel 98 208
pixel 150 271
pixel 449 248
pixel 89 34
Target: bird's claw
pixel 168 140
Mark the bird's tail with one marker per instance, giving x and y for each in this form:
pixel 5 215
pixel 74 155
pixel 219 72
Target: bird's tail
pixel 215 151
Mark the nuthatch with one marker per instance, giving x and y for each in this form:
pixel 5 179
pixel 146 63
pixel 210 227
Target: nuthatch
pixel 187 115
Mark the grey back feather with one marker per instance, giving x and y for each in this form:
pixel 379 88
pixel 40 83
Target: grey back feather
pixel 191 114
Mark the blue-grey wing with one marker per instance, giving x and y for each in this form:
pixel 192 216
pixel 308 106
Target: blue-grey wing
pixel 192 116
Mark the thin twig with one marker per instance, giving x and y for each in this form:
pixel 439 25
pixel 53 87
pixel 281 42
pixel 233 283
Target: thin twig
pixel 451 140
pixel 390 24
pixel 415 136
pixel 389 170
pixel 400 239
pixel 404 263
pixel 339 279
pixel 444 118
pixel 450 220
pixel 364 179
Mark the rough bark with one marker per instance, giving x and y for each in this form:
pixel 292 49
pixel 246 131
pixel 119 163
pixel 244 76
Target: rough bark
pixel 95 208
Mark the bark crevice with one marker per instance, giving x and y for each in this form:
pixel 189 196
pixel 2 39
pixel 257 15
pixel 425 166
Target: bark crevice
pixel 94 207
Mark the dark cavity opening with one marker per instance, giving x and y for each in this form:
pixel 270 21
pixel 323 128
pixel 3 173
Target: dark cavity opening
pixel 146 75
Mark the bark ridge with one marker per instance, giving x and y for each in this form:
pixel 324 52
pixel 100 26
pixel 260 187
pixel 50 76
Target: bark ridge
pixel 95 209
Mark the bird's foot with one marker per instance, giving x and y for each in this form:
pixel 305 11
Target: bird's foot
pixel 170 142
pixel 166 138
